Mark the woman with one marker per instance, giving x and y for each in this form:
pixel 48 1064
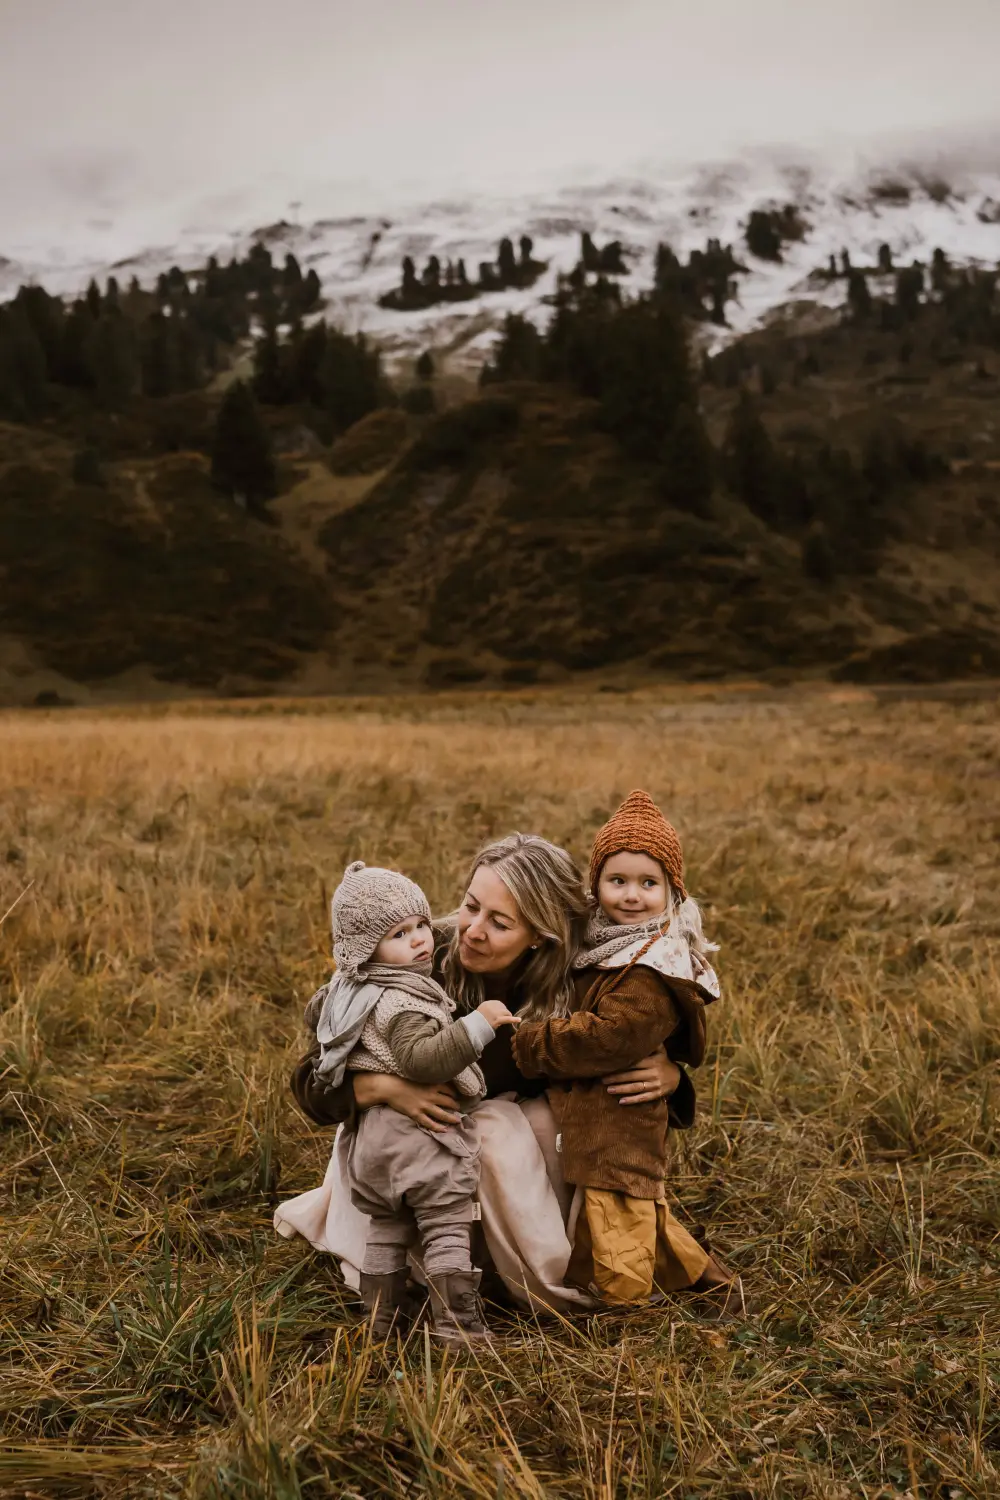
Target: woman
pixel 512 939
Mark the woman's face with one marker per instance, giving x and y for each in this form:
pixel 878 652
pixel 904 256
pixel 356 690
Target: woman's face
pixel 492 934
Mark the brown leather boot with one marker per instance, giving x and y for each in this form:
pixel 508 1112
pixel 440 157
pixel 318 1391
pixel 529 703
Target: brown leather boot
pixel 455 1306
pixel 385 1298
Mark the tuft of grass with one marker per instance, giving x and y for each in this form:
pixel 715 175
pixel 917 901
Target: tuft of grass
pixel 164 885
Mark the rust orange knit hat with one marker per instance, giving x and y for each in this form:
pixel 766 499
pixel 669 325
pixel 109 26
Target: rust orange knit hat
pixel 641 828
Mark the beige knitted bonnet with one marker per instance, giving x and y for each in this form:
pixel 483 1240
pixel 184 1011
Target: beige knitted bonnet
pixel 366 905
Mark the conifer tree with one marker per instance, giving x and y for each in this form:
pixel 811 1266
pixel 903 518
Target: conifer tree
pixel 763 237
pixel 461 275
pixel 94 299
pixel 527 246
pixel 688 463
pixel 156 357
pixel 859 298
pixel 312 290
pixel 291 275
pixel 23 395
pixel 940 271
pixel 112 294
pixel 751 460
pixel 409 276
pixel 242 458
pixel 425 366
pixel 884 260
pixel 909 286
pixel 113 359
pixel 506 263
pixel 269 383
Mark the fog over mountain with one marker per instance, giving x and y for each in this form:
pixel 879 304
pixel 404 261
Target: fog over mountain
pixel 124 124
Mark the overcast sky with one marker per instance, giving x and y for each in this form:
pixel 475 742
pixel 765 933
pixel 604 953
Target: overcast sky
pixel 100 98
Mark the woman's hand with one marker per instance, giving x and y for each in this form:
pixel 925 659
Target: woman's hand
pixel 654 1077
pixel 431 1105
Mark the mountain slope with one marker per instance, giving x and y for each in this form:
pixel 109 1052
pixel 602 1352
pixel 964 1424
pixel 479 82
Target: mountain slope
pixel 912 208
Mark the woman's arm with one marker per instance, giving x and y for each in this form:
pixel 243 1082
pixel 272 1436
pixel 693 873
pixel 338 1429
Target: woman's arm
pixel 431 1105
pixel 653 1077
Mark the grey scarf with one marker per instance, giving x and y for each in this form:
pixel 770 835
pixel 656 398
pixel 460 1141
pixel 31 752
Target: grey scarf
pixel 604 938
pixel 339 1010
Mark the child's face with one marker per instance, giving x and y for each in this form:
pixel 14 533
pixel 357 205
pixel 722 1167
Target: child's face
pixel 632 888
pixel 409 943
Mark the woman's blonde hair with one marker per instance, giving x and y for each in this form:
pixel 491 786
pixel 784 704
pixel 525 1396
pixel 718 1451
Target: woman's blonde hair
pixel 548 889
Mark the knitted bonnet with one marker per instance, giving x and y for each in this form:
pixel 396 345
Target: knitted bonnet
pixel 366 905
pixel 640 828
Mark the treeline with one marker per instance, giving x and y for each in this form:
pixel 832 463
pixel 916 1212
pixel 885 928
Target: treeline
pixel 962 300
pixel 450 282
pixel 113 344
pixel 631 358
pixel 337 378
pixel 837 503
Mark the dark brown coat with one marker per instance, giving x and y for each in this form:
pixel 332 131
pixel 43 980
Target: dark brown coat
pixel 619 1016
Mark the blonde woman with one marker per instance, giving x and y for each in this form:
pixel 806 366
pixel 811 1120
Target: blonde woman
pixel 514 939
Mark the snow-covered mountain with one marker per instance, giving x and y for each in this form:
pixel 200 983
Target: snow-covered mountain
pixel 912 209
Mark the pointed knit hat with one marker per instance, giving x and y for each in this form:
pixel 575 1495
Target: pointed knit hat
pixel 367 904
pixel 639 827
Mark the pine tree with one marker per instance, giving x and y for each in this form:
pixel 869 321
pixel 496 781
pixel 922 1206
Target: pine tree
pixel 506 263
pixel 156 357
pixel 940 271
pixel 242 459
pixel 763 237
pixel 909 287
pixel 884 260
pixel 114 361
pixel 589 258
pixel 410 283
pixel 527 246
pixel 461 275
pixel 688 463
pixel 351 378
pixel 94 299
pixel 269 383
pixel 22 368
pixel 312 290
pixel 291 275
pixel 751 461
pixel 75 365
pixel 112 293
pixel 517 354
pixel 432 273
pixel 859 298
pixel 425 366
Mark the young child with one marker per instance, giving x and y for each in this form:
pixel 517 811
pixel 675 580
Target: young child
pixel 641 979
pixel 383 1013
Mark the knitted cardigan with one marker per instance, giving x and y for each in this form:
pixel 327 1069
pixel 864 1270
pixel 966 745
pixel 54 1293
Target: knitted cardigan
pixel 375 1053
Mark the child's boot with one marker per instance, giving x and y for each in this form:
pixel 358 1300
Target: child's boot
pixel 455 1307
pixel 386 1298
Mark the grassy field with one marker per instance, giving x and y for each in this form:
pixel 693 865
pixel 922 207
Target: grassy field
pixel 156 1338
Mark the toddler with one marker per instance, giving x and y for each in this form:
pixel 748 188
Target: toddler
pixel 383 1013
pixel 642 978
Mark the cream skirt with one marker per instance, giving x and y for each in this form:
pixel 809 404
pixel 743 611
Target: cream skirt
pixel 528 1212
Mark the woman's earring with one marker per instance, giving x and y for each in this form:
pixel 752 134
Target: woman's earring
pixel 534 947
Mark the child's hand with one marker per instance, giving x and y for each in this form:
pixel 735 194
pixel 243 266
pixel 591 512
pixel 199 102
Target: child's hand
pixel 497 1014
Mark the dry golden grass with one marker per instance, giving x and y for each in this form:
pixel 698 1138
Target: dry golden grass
pixel 158 1339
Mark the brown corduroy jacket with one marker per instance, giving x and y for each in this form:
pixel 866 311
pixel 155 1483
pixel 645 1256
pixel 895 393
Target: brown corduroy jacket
pixel 619 1015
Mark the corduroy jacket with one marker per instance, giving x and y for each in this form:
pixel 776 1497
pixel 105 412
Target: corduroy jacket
pixel 619 1015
